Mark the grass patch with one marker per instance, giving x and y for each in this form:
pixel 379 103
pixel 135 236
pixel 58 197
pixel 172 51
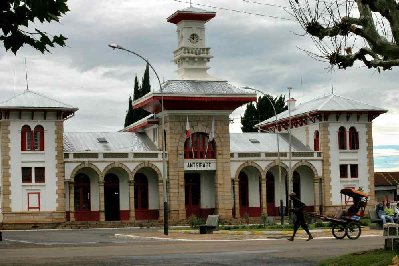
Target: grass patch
pixel 378 257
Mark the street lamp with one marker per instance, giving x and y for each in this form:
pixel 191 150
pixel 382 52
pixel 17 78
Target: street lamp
pixel 164 177
pixel 278 153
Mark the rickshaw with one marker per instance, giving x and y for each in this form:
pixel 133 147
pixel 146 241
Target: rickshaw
pixel 347 221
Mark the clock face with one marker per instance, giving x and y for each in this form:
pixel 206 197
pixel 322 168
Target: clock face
pixel 193 38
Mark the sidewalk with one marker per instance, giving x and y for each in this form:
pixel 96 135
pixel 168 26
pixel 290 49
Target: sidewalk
pixel 225 235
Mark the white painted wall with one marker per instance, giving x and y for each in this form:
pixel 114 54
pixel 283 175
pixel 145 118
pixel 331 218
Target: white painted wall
pixel 153 190
pixel 32 159
pixel 274 172
pixel 253 186
pixel 94 193
pixel 208 191
pixel 307 190
pixel 338 157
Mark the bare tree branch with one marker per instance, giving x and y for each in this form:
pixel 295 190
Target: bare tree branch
pixel 339 26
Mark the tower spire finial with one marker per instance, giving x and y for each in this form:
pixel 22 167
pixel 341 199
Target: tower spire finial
pixel 190 4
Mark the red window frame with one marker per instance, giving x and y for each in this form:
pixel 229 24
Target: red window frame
pixel 38 201
pixel 342 138
pixel 316 141
pixel 26 174
pixel 32 140
pixel 38 137
pixel 354 170
pixel 197 146
pixel 343 171
pixel 40 175
pixel 353 139
pixel 26 138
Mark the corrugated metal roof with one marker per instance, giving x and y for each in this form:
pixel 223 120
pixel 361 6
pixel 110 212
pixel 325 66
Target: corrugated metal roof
pixel 115 142
pixel 241 142
pixel 326 103
pixel 29 99
pixel 201 88
pixel 386 179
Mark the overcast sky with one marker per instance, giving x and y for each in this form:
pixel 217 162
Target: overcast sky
pixel 258 51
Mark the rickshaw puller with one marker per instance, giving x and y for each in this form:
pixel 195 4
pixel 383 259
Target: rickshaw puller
pixel 299 218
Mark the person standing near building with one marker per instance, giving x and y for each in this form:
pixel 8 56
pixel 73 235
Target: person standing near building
pixel 299 218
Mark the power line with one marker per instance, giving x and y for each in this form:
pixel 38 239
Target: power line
pixel 265 4
pixel 233 10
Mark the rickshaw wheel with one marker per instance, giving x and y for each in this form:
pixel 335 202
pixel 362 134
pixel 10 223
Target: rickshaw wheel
pixel 354 230
pixel 339 231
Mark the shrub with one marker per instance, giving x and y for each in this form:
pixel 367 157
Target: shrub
pixel 264 219
pixel 195 221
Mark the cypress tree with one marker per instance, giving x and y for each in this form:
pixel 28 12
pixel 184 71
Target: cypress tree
pixel 145 84
pixel 129 119
pixel 249 119
pixel 261 112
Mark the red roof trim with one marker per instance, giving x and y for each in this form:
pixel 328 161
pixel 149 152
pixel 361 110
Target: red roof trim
pixel 157 99
pixel 301 119
pixel 142 125
pixel 179 16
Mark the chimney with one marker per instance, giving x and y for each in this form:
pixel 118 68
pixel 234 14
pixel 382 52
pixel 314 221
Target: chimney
pixel 291 103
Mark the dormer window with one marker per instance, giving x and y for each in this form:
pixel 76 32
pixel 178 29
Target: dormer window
pixel 102 140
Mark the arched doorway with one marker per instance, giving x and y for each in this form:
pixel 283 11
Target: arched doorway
pixel 82 197
pixel 141 196
pixel 111 198
pixel 192 189
pixel 303 185
pixel 243 194
pixel 270 195
pixel 296 184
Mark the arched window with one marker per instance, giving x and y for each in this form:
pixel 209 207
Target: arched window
pixel 316 141
pixel 38 137
pixel 342 138
pixel 353 139
pixel 198 146
pixel 32 140
pixel 26 138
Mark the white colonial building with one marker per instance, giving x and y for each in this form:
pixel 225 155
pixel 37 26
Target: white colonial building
pixel 50 176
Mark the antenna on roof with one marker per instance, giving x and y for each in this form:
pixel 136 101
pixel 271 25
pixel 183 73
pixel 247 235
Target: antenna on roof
pixel 190 4
pixel 332 88
pixel 26 76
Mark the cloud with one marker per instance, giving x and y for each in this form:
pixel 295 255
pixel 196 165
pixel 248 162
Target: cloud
pixel 256 51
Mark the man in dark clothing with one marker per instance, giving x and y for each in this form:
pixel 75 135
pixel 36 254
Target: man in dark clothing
pixel 299 219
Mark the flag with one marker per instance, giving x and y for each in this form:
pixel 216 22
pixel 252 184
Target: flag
pixel 211 136
pixel 188 132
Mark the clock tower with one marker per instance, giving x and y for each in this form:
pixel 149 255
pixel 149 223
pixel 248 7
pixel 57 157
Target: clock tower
pixel 191 55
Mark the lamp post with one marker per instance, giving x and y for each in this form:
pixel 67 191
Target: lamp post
pixel 164 174
pixel 278 153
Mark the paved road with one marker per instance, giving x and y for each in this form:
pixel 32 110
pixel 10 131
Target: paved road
pixel 101 247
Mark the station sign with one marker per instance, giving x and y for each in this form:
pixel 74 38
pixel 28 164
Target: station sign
pixel 199 165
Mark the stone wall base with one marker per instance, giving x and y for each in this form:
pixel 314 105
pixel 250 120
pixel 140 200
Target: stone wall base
pixel 33 217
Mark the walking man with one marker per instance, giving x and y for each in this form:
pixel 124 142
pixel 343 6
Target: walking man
pixel 299 219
